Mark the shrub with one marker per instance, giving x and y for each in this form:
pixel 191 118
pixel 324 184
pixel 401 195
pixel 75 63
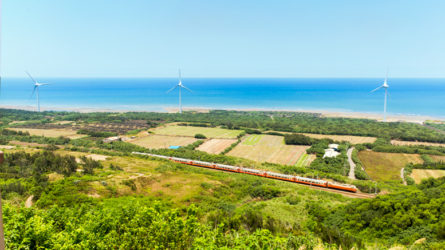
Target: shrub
pixel 200 136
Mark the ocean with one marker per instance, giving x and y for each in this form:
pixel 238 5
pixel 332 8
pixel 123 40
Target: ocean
pixel 407 96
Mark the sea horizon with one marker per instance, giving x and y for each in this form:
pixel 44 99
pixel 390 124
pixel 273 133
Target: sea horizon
pixel 408 96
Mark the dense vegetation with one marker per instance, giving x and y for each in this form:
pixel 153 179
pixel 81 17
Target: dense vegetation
pixel 403 217
pixel 298 139
pixel 256 120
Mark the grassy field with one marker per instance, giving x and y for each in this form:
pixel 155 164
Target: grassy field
pixel 386 166
pixel 419 174
pixel 268 148
pixel 192 131
pixel 216 146
pixel 69 133
pixel 416 143
pixel 162 141
pixel 349 138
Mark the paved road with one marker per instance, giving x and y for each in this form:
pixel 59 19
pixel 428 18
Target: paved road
pixel 351 164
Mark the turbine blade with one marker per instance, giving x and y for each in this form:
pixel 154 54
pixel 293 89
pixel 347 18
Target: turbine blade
pixel 41 84
pixel 180 77
pixel 187 88
pixel 30 76
pixel 33 91
pixel 376 89
pixel 170 90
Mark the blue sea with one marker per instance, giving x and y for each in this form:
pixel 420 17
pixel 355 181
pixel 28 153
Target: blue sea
pixel 407 96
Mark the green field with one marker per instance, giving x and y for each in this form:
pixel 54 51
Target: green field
pixel 386 166
pixel 192 131
pixel 304 160
pixel 252 140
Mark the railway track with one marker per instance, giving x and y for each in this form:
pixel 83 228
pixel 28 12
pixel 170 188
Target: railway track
pixel 333 187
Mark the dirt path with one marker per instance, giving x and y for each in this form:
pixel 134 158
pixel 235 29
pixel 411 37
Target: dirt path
pixel 403 176
pixel 351 164
pixel 28 202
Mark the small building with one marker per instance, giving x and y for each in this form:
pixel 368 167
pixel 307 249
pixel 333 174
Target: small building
pixel 111 139
pixel 333 146
pixel 330 153
pixel 174 147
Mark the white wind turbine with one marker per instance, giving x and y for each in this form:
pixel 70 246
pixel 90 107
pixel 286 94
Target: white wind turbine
pixel 385 86
pixel 36 89
pixel 180 86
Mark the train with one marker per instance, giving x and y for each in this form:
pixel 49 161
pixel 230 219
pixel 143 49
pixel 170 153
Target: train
pixel 261 173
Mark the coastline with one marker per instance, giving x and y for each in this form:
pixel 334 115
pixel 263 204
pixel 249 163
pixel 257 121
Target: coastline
pixel 169 109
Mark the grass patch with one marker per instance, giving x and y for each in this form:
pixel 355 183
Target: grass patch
pixel 386 166
pixel 268 148
pixel 252 140
pixel 420 174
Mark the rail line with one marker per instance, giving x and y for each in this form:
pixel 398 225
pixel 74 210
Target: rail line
pixel 341 188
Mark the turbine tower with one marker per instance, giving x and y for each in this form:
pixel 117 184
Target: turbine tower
pixel 36 89
pixel 180 85
pixel 385 86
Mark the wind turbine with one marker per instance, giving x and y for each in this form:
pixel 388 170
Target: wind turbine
pixel 180 85
pixel 36 89
pixel 385 86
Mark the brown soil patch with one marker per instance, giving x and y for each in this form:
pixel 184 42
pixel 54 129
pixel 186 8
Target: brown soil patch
pixel 416 143
pixel 163 141
pixel 216 146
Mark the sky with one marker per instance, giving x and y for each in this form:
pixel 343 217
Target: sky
pixel 223 38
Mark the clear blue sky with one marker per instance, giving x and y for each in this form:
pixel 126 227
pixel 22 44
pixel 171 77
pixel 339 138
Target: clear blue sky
pixel 227 38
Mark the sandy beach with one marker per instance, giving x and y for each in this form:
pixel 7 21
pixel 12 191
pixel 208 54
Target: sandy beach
pixel 325 113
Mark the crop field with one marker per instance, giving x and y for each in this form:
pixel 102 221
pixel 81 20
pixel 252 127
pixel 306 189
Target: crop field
pixel 192 131
pixel 419 174
pixel 437 158
pixel 268 148
pixel 386 166
pixel 252 140
pixel 69 133
pixel 162 141
pixel 305 160
pixel 416 143
pixel 349 138
pixel 216 146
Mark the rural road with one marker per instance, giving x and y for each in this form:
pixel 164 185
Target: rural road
pixel 403 176
pixel 28 202
pixel 351 164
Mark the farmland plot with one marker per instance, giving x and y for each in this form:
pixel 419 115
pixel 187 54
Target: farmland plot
pixel 416 143
pixel 386 166
pixel 349 138
pixel 419 174
pixel 268 148
pixel 162 141
pixel 216 146
pixel 192 131
pixel 67 132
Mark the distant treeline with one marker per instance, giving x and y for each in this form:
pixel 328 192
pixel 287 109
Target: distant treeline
pixel 257 120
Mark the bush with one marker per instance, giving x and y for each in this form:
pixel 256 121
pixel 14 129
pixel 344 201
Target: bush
pixel 200 136
pixel 298 139
pixel 252 131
